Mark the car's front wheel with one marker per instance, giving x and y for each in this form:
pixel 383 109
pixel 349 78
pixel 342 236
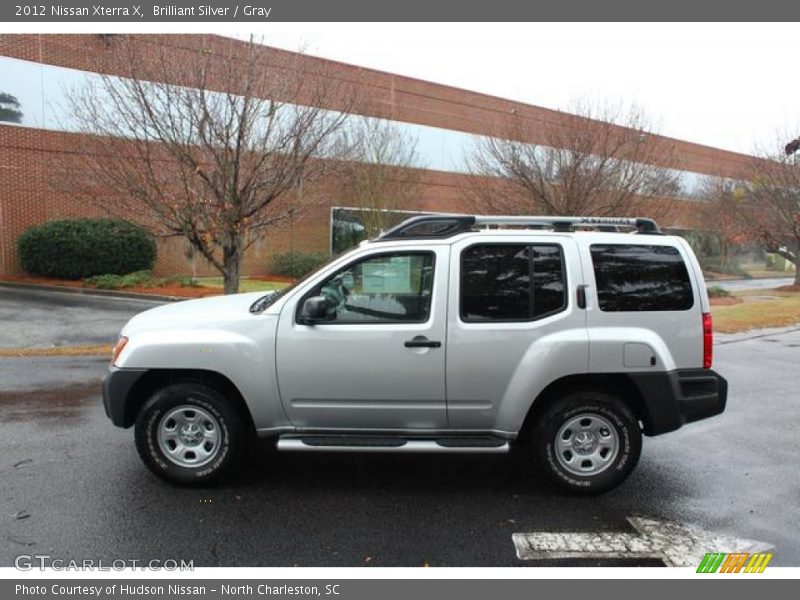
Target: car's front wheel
pixel 587 442
pixel 188 433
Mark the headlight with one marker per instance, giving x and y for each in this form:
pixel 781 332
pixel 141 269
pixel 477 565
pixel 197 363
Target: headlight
pixel 115 351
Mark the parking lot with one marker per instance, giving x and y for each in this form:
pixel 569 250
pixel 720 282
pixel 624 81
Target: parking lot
pixel 43 319
pixel 73 486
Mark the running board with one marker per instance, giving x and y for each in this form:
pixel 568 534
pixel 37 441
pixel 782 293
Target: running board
pixel 352 443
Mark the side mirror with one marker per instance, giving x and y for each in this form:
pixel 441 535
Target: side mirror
pixel 315 309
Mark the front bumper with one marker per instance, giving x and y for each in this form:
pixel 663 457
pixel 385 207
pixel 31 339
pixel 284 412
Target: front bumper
pixel 117 387
pixel 675 398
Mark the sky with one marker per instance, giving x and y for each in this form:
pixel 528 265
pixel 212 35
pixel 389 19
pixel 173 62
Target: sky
pixel 731 86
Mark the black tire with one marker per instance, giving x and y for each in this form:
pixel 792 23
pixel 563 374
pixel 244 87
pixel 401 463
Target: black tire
pixel 604 407
pixel 229 427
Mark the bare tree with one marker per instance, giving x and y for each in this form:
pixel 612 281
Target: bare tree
pixel 383 176
pixel 217 159
pixel 10 108
pixel 767 206
pixel 599 160
pixel 718 233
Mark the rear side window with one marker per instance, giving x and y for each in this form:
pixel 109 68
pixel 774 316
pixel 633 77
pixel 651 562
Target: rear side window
pixel 511 282
pixel 634 277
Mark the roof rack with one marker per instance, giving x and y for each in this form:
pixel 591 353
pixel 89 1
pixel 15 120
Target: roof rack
pixel 447 225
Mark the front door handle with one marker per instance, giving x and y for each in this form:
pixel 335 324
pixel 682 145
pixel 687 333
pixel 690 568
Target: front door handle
pixel 422 342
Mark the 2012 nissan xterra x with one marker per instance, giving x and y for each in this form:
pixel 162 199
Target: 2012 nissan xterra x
pixel 573 336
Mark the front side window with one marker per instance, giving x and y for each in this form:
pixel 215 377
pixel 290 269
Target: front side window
pixel 511 282
pixel 388 288
pixel 633 277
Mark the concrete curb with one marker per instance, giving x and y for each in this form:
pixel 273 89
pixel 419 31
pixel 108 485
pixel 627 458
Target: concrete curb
pixel 90 292
pixel 729 338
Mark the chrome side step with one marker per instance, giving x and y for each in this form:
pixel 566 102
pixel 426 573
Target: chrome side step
pixel 465 445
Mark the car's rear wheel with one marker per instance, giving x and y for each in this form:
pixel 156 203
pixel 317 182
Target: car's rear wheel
pixel 188 433
pixel 587 442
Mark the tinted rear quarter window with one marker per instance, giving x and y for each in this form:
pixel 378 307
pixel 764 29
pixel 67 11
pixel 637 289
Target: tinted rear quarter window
pixel 638 277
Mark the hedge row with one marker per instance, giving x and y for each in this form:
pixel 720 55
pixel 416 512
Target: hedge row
pixel 80 248
pixel 297 264
pixel 88 248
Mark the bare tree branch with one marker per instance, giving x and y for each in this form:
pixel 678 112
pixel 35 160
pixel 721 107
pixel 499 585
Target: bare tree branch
pixel 767 207
pixel 602 160
pixel 372 182
pixel 216 159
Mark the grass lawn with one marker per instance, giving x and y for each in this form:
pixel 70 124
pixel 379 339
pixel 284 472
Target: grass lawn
pixel 758 309
pixel 245 284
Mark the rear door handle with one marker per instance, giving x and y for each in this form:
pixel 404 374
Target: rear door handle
pixel 422 342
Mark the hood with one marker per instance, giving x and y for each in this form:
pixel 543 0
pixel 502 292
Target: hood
pixel 199 312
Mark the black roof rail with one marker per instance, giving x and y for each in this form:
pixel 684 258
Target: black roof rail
pixel 447 225
pixel 645 225
pixel 430 226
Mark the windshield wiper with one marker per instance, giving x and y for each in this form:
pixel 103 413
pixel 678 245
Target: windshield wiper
pixel 264 302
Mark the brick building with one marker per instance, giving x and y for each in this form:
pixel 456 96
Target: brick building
pixel 38 67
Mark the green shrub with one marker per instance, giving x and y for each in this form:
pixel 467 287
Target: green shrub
pixel 105 282
pixel 297 264
pixel 143 278
pixel 717 292
pixel 80 248
pixel 110 281
pixel 188 282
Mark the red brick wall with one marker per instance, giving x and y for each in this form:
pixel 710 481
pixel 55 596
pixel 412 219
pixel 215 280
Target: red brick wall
pixel 30 193
pixel 380 94
pixel 28 196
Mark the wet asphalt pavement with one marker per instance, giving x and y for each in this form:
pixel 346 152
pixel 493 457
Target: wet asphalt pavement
pixel 72 485
pixel 43 319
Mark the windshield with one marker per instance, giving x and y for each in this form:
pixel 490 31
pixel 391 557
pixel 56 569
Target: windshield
pixel 270 298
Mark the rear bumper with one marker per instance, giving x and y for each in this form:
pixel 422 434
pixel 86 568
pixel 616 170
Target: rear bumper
pixel 117 386
pixel 675 398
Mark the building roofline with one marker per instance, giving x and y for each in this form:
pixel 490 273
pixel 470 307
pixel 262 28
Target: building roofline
pixel 77 51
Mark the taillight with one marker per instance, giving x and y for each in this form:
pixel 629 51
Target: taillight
pixel 708 341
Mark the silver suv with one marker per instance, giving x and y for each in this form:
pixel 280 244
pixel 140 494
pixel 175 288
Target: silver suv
pixel 567 336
